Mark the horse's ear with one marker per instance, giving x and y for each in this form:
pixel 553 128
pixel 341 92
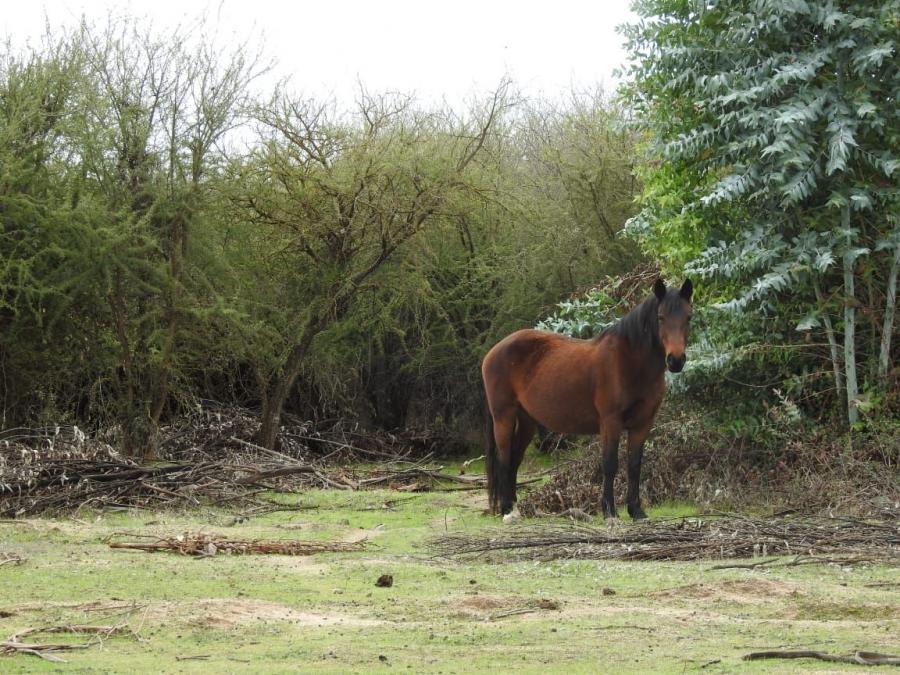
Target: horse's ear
pixel 687 289
pixel 659 289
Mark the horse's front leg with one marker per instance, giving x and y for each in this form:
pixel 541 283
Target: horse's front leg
pixel 636 438
pixel 610 431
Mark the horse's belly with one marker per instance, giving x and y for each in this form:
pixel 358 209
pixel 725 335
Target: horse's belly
pixel 565 407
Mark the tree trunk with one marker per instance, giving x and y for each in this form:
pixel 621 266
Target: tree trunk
pixel 178 244
pixel 125 384
pixel 884 356
pixel 850 324
pixel 279 387
pixel 832 343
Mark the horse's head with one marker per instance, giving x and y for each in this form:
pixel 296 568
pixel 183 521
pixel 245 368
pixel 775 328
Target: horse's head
pixel 674 321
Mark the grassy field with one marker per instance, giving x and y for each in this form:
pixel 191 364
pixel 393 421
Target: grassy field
pixel 324 613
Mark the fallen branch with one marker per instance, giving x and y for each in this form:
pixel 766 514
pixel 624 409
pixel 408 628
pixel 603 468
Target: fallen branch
pixel 860 658
pixel 44 651
pixel 47 651
pixel 10 559
pixel 512 612
pixel 797 561
pixel 78 629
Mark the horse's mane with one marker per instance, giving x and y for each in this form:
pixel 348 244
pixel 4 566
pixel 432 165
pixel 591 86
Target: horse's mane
pixel 640 327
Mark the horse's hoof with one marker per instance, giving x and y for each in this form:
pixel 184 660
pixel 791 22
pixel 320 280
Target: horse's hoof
pixel 512 516
pixel 613 516
pixel 638 515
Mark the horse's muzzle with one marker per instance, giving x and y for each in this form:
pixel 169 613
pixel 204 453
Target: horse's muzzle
pixel 674 363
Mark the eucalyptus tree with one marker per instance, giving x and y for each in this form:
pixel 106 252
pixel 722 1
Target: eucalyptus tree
pixel 776 126
pixel 334 198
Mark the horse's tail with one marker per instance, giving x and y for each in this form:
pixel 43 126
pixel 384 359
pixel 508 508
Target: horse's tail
pixel 491 465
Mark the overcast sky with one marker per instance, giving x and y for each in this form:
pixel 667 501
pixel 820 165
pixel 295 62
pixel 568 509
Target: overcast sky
pixel 434 49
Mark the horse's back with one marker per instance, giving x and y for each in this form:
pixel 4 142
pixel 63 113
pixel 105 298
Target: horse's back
pixel 550 376
pixel 521 353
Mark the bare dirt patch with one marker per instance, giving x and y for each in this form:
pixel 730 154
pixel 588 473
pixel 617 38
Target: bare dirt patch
pixel 231 613
pixel 220 613
pixel 492 607
pixel 480 607
pixel 476 500
pixel 484 603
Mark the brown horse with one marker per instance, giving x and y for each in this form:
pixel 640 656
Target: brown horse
pixel 612 383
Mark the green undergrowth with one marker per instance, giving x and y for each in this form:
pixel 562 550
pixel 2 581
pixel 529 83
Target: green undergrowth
pixel 324 613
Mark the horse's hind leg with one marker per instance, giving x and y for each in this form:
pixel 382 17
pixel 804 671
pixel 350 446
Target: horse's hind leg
pixel 525 428
pixel 610 430
pixel 504 473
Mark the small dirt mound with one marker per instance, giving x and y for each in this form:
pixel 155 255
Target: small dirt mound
pixel 484 603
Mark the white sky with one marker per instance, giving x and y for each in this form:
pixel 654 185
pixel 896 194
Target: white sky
pixel 436 50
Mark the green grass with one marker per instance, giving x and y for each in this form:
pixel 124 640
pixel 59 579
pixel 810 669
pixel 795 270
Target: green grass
pixel 325 614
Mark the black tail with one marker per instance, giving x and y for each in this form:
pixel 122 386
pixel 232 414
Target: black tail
pixel 491 465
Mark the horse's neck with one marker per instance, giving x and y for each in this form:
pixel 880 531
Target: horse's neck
pixel 648 357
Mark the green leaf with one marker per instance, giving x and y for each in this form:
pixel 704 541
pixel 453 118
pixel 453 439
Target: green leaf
pixel 866 109
pixel 809 321
pixel 824 260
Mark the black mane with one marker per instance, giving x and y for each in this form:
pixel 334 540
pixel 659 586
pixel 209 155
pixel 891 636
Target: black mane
pixel 640 327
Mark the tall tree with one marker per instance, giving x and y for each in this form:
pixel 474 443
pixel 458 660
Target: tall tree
pixel 779 132
pixel 121 143
pixel 335 199
pixel 152 110
pixel 35 94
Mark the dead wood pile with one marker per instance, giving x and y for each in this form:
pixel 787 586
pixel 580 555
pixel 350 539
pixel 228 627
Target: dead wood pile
pixel 715 536
pixel 850 485
pixel 207 459
pixel 207 545
pixel 216 431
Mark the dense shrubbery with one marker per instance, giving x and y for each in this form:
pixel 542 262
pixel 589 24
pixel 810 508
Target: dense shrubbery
pixel 167 237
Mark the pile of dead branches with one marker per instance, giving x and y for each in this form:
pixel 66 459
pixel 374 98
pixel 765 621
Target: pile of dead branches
pixel 207 545
pixel 63 470
pixel 814 477
pixel 708 537
pixel 54 486
pixel 216 431
pixel 629 289
pixel 67 473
